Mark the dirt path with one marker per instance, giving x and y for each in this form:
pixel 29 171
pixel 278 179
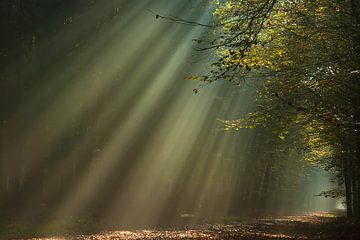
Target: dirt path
pixel 293 227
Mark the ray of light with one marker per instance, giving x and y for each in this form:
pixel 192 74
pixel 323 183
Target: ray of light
pixel 118 132
pixel 51 125
pixel 128 129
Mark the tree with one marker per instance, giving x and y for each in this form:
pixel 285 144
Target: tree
pixel 304 56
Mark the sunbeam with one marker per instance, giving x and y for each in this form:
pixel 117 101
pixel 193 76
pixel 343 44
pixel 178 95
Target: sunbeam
pixel 186 116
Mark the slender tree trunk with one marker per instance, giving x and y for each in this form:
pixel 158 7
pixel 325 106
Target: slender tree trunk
pixel 357 180
pixel 355 5
pixel 348 194
pixel 355 206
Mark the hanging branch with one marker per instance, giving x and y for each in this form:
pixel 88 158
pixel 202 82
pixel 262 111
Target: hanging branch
pixel 251 29
pixel 180 20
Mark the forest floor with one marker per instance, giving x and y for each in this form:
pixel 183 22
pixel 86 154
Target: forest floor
pixel 316 226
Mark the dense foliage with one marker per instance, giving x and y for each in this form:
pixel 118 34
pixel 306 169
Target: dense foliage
pixel 304 58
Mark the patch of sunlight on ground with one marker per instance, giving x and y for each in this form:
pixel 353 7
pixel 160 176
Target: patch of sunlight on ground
pixel 318 225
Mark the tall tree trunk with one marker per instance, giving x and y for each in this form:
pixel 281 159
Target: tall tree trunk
pixel 348 183
pixel 357 180
pixel 354 183
pixel 355 5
